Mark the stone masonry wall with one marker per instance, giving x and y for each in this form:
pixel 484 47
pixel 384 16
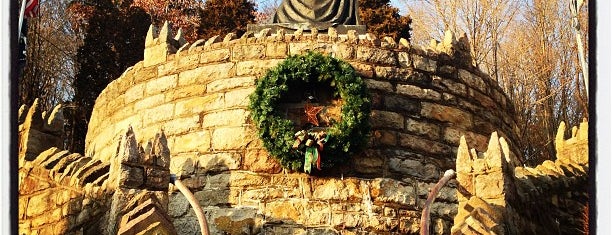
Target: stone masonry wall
pixel 499 197
pixel 59 192
pixel 423 101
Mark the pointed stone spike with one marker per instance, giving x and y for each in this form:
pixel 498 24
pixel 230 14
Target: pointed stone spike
pixel 464 161
pixel 404 43
pixel 583 131
pixel 332 33
pixel 180 38
pixel 165 34
pixel 34 117
pixel 263 33
pixel 352 36
pixel 161 151
pixel 494 155
pixel 280 34
pixel 129 151
pixel 574 131
pixel 229 37
pixel 55 121
pixel 298 32
pixel 390 42
pixel 449 39
pixel 560 138
pixel 151 36
pixel 21 114
pixel 196 44
pixel 506 151
pixel 314 33
pixel 212 40
pixel 182 48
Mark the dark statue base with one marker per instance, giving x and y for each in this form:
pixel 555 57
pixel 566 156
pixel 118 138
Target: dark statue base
pixel 290 27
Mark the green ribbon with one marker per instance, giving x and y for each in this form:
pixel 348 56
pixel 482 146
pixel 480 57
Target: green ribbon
pixel 310 158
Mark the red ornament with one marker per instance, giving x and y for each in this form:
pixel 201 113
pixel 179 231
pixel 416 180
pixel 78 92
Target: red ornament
pixel 311 113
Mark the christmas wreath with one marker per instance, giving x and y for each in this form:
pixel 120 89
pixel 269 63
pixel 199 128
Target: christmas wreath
pixel 302 147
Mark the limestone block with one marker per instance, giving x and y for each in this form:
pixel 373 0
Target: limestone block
pixel 362 69
pixel 482 99
pixel 407 167
pixel 204 74
pixel 133 93
pixel 368 163
pixel 178 205
pixel 161 84
pixel 432 131
pixel 452 135
pixel 177 126
pixel 249 52
pixel 187 225
pixel 417 92
pixel 376 56
pixel 336 189
pixel 424 63
pixel 185 91
pixel 449 85
pixel 218 162
pixel 392 73
pixel 195 105
pixel 243 179
pixel 393 191
pixel 131 177
pixel 217 181
pixel 239 97
pixel 298 48
pixel 156 54
pixel 226 84
pixel 386 119
pixel 378 85
pixel 212 197
pixel 159 113
pixel 383 137
pixel 230 138
pixel 256 68
pixel 40 203
pixel 343 51
pixel 258 160
pixel 195 141
pixel 421 144
pixel 472 80
pixel 489 186
pixel 289 212
pixel 148 102
pixel 214 56
pixel 29 185
pixel 443 113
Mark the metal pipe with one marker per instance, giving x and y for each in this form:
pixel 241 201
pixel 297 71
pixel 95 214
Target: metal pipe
pixel 194 204
pixel 449 174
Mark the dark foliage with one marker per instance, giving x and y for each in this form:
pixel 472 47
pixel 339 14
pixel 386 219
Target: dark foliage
pixel 220 17
pixel 384 20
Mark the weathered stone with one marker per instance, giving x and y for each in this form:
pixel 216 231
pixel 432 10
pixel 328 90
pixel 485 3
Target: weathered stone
pixel 258 160
pixel 332 189
pixel 233 117
pixel 489 185
pixel 40 203
pixel 472 80
pixel 424 63
pixel 161 84
pixel 248 180
pixel 218 162
pixel 376 56
pixel 368 163
pixel 195 105
pixel 443 113
pixel 158 113
pixel 386 119
pixel 203 74
pixel 238 97
pixel 212 197
pixel 449 85
pixel 362 69
pixel 255 68
pixel 343 51
pixel 452 135
pixel 230 138
pixel 417 92
pixel 379 85
pixel 432 131
pixel 388 138
pixel 149 102
pixel 299 48
pixel 392 73
pixel 284 211
pixel 393 191
pixel 131 177
pixel 134 93
pixel 219 55
pixel 482 99
pixel 249 52
pixel 276 50
pixel 194 141
pixel 226 84
pixel 178 126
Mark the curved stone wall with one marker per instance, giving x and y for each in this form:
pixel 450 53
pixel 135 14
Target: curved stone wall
pixel 423 101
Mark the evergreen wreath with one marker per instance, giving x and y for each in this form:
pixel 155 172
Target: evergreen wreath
pixel 344 138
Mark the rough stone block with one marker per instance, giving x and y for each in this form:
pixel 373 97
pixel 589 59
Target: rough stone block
pixel 134 93
pixel 402 104
pixel 212 197
pixel 335 189
pixel 230 138
pixel 362 69
pixel 284 211
pixel 149 102
pixel 195 141
pixel 243 179
pixel 249 52
pixel 196 105
pixel 479 142
pixel 159 113
pixel 157 179
pixel 131 177
pixel 178 126
pixel 203 74
pixel 213 56
pixel 472 80
pixel 432 131
pixel 258 160
pixel 161 84
pixel 393 191
pixel 421 144
pixel 233 117
pixel 379 85
pixel 417 92
pixel 482 99
pixel 382 137
pixel 392 73
pixel 490 186
pixel 298 48
pixel 40 203
pixel 343 51
pixel 447 114
pixel 188 61
pixel 376 56
pixel 256 68
pixel 424 63
pixel 276 50
pixel 386 119
pixel 239 97
pixel 218 162
pixel 231 83
pixel 369 163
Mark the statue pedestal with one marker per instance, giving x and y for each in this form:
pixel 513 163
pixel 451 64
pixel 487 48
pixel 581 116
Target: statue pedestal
pixel 290 27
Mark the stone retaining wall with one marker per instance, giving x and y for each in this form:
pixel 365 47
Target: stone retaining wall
pixel 423 101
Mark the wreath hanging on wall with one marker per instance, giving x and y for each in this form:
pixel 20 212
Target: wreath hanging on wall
pixel 311 145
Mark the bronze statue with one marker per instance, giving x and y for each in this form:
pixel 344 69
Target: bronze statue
pixel 321 14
